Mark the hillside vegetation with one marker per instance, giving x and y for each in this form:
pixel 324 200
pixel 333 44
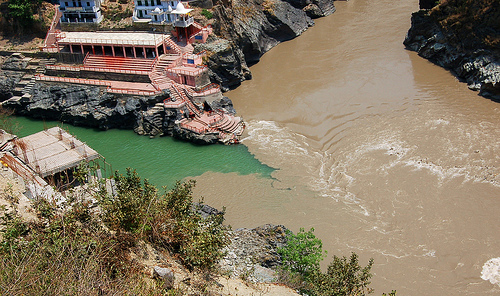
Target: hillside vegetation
pixel 471 24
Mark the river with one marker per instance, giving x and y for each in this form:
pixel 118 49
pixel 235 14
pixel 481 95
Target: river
pixel 382 152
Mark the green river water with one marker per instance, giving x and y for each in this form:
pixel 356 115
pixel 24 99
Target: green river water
pixel 161 160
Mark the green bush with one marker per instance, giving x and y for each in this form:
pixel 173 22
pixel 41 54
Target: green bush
pixel 302 253
pixel 301 257
pixel 69 252
pixel 178 223
pixel 128 209
pixel 207 14
pixel 343 278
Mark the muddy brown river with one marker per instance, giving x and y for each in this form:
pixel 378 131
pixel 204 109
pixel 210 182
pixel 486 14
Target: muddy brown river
pixel 382 152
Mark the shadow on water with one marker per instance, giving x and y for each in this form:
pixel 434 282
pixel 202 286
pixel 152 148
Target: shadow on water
pixel 161 160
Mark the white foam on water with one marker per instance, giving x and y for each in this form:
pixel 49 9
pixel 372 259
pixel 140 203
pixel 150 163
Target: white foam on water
pixel 433 124
pixel 491 271
pixel 269 136
pixel 441 172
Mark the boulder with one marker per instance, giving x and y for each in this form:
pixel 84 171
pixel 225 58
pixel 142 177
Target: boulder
pixel 166 274
pixel 16 62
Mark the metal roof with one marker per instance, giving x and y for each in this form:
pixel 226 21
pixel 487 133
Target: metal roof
pixel 52 151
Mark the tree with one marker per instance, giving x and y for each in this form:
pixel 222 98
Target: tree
pixel 21 11
pixel 343 278
pixel 303 252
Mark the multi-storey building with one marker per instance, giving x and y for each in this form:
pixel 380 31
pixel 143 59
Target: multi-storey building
pixel 80 11
pixel 162 12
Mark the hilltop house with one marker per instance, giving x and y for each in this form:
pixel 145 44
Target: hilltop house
pixel 80 11
pixel 160 12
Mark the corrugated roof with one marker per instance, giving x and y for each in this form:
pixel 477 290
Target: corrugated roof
pixel 54 150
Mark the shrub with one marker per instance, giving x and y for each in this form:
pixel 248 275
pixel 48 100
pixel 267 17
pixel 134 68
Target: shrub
pixel 302 253
pixel 207 14
pixel 128 209
pixel 343 278
pixel 179 225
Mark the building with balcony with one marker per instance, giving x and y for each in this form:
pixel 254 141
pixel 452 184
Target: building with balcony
pixel 162 12
pixel 80 11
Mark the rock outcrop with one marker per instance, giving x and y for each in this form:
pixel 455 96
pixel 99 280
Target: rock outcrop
pixel 253 252
pixel 92 106
pixel 81 105
pixel 248 29
pixel 463 39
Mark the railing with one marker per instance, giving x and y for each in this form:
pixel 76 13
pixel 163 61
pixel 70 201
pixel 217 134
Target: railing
pixel 153 65
pixel 86 58
pixel 72 80
pixel 173 45
pixel 195 71
pixel 156 41
pixel 96 69
pixel 184 23
pixel 192 128
pixel 79 8
pixel 202 31
pixel 168 103
pixel 212 88
pixel 133 91
pixel 50 42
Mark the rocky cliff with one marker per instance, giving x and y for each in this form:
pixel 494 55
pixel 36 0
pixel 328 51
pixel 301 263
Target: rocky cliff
pixel 248 29
pixel 464 37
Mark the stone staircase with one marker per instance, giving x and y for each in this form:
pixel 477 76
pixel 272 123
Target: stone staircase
pixel 22 90
pixel 157 76
pixel 118 64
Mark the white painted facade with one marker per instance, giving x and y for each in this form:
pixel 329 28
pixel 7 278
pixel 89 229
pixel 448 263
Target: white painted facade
pixel 80 11
pixel 161 12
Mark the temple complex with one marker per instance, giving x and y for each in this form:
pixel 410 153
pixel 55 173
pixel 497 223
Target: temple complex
pixel 146 63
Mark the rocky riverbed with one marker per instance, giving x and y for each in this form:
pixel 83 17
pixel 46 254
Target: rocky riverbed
pixel 439 34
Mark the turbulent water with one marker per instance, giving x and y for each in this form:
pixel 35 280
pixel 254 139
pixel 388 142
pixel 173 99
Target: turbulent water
pixel 382 152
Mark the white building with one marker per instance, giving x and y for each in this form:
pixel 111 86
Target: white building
pixel 162 12
pixel 80 11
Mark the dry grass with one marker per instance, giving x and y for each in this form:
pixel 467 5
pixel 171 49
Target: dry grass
pixel 473 23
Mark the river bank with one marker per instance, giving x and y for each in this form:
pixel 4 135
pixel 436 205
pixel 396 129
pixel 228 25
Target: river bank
pixel 461 37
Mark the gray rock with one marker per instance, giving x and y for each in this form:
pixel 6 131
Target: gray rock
pixel 479 67
pixel 16 62
pixel 166 274
pixel 8 81
pixel 248 29
pixel 252 253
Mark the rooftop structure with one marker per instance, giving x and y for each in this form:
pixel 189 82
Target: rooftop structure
pixel 78 11
pixel 52 151
pixel 122 44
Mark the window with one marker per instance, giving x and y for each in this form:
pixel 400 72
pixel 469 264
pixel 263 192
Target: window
pixel 158 2
pixel 66 4
pixel 88 3
pixel 139 3
pixel 198 37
